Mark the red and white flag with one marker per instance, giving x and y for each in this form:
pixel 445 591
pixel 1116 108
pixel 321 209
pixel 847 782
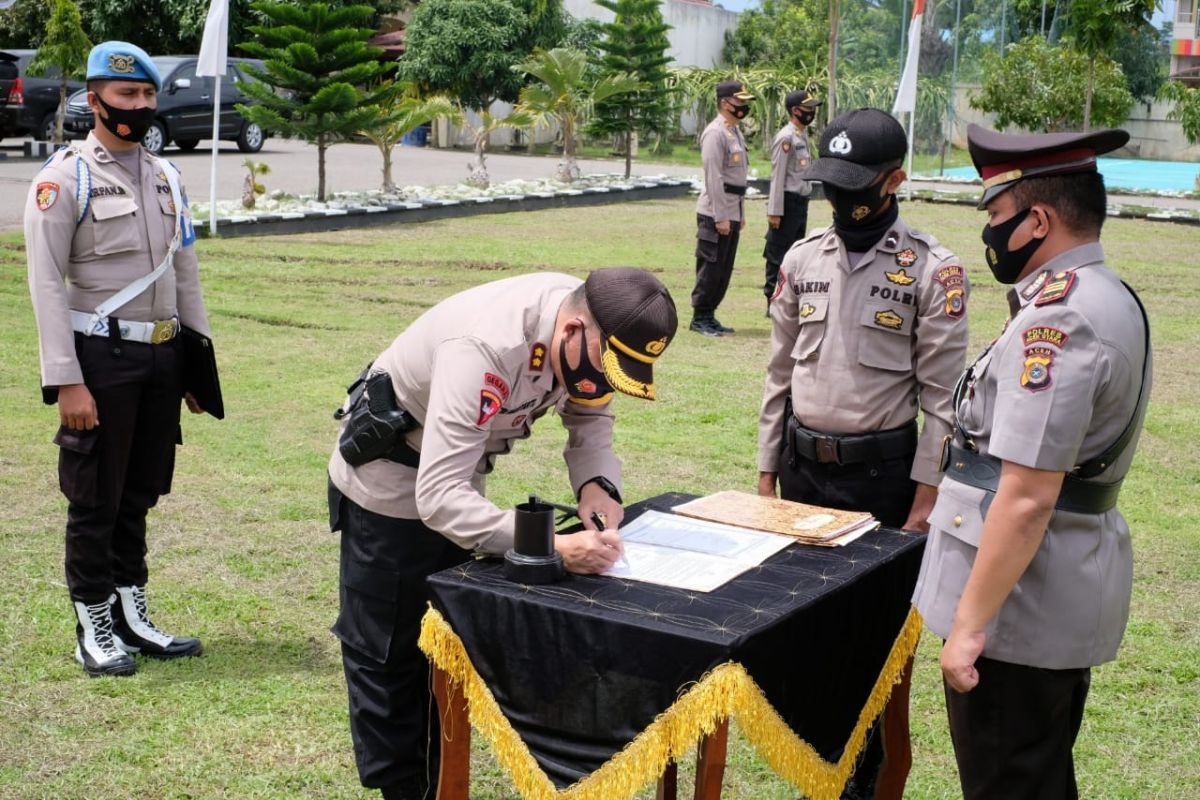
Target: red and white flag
pixel 906 95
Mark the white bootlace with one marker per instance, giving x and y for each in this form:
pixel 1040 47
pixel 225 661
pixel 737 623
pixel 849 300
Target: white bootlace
pixel 139 606
pixel 100 615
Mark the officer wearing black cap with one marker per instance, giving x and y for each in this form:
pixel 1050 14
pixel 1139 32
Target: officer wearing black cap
pixel 112 274
pixel 1027 572
pixel 460 387
pixel 787 202
pixel 869 327
pixel 720 215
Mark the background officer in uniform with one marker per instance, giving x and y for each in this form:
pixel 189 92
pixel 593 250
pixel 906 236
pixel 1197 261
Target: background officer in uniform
pixel 719 213
pixel 474 372
pixel 787 203
pixel 101 215
pixel 1028 569
pixel 869 324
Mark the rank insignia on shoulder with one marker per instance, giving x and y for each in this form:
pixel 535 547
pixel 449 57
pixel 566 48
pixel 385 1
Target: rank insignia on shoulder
pixel 1056 288
pixel 1036 375
pixel 1042 334
pixel 807 310
pixel 489 406
pixel 906 257
pixel 889 319
pixel 496 382
pixel 900 276
pixel 47 193
pixel 537 357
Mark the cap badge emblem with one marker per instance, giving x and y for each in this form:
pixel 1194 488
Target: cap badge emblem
pixel 121 64
pixel 840 144
pixel 657 346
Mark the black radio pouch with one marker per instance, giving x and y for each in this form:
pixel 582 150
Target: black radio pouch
pixel 376 423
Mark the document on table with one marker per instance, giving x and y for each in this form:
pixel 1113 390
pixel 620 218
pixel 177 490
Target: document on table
pixel 689 553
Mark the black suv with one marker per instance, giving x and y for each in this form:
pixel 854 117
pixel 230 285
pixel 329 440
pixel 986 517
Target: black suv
pixel 185 106
pixel 27 103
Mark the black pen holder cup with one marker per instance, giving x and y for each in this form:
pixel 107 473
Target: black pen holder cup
pixel 532 558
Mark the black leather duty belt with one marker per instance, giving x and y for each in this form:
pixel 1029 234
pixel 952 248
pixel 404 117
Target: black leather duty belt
pixel 858 448
pixel 401 453
pixel 983 472
pixel 732 188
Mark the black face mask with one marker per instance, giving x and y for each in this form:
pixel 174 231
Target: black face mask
pixel 739 112
pixel 1006 265
pixel 805 117
pixel 584 382
pixel 128 124
pixel 852 209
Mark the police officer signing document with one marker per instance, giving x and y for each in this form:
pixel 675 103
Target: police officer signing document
pixel 787 201
pixel 1028 569
pixel 112 274
pixel 720 215
pixel 453 392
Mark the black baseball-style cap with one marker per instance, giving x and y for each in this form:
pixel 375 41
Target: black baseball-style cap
pixel 735 89
pixel 1002 159
pixel 800 98
pixel 637 316
pixel 856 147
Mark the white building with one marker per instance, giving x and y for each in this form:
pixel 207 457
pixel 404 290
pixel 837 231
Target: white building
pixel 697 32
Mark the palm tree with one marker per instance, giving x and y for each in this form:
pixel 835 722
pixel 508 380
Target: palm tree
pixel 400 113
pixel 481 133
pixel 566 95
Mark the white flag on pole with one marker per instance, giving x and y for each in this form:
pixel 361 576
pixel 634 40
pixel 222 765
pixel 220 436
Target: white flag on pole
pixel 906 95
pixel 214 48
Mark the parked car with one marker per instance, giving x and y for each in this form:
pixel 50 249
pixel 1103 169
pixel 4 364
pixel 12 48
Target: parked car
pixel 28 103
pixel 185 109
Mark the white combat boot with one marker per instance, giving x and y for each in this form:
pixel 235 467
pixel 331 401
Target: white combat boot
pixel 96 648
pixel 137 634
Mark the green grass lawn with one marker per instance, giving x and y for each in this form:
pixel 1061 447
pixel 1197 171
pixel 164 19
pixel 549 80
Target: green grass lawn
pixel 240 553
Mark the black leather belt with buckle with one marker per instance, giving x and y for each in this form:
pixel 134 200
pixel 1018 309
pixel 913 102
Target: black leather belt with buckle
pixel 857 448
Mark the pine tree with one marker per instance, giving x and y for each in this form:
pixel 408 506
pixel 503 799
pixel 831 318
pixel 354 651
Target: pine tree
pixel 635 43
pixel 65 49
pixel 316 53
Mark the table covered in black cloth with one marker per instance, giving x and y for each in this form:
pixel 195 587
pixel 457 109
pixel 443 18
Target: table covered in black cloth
pixel 583 667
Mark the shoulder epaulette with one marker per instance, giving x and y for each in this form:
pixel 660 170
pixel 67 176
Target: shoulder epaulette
pixel 1056 288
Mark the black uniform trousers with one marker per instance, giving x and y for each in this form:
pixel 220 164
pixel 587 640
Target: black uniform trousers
pixel 886 490
pixel 114 474
pixel 792 226
pixel 715 255
pixel 1013 733
pixel 384 564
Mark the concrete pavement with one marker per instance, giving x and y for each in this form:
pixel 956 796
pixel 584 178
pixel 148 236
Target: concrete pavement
pixel 348 167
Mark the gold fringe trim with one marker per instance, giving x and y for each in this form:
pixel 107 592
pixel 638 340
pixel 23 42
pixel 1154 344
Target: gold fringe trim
pixel 726 691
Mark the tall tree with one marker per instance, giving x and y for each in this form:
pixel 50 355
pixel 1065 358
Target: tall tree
pixel 782 35
pixel 316 53
pixel 1097 26
pixel 466 49
pixel 65 49
pixel 635 43
pixel 564 93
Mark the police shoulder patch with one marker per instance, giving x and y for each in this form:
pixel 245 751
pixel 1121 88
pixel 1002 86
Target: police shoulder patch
pixel 496 382
pixel 787 146
pixel 1056 288
pixel 1044 334
pixel 1035 375
pixel 46 195
pixel 489 406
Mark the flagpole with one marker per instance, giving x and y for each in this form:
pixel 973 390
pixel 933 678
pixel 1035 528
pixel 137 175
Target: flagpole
pixel 912 134
pixel 216 141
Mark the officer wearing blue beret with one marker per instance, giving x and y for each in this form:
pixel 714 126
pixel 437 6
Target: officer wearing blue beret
pixel 112 276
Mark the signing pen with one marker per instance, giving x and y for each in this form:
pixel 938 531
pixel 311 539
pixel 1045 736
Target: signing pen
pixel 601 524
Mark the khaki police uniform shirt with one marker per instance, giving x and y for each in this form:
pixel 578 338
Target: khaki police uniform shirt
pixel 1055 389
pixel 859 348
pixel 475 372
pixel 723 152
pixel 789 157
pixel 124 235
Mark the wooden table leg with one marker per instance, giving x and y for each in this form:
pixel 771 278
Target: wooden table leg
pixel 897 746
pixel 454 775
pixel 710 766
pixel 668 783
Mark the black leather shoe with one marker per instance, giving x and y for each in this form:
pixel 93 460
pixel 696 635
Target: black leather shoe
pixel 96 648
pixel 704 327
pixel 135 633
pixel 722 328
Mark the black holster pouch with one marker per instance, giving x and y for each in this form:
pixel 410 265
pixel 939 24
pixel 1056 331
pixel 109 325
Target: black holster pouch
pixel 376 424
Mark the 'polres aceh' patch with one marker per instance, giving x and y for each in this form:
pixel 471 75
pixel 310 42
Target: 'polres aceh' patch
pixel 1035 375
pixel 950 276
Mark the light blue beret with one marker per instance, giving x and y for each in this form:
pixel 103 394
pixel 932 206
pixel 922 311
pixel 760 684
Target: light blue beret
pixel 121 61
